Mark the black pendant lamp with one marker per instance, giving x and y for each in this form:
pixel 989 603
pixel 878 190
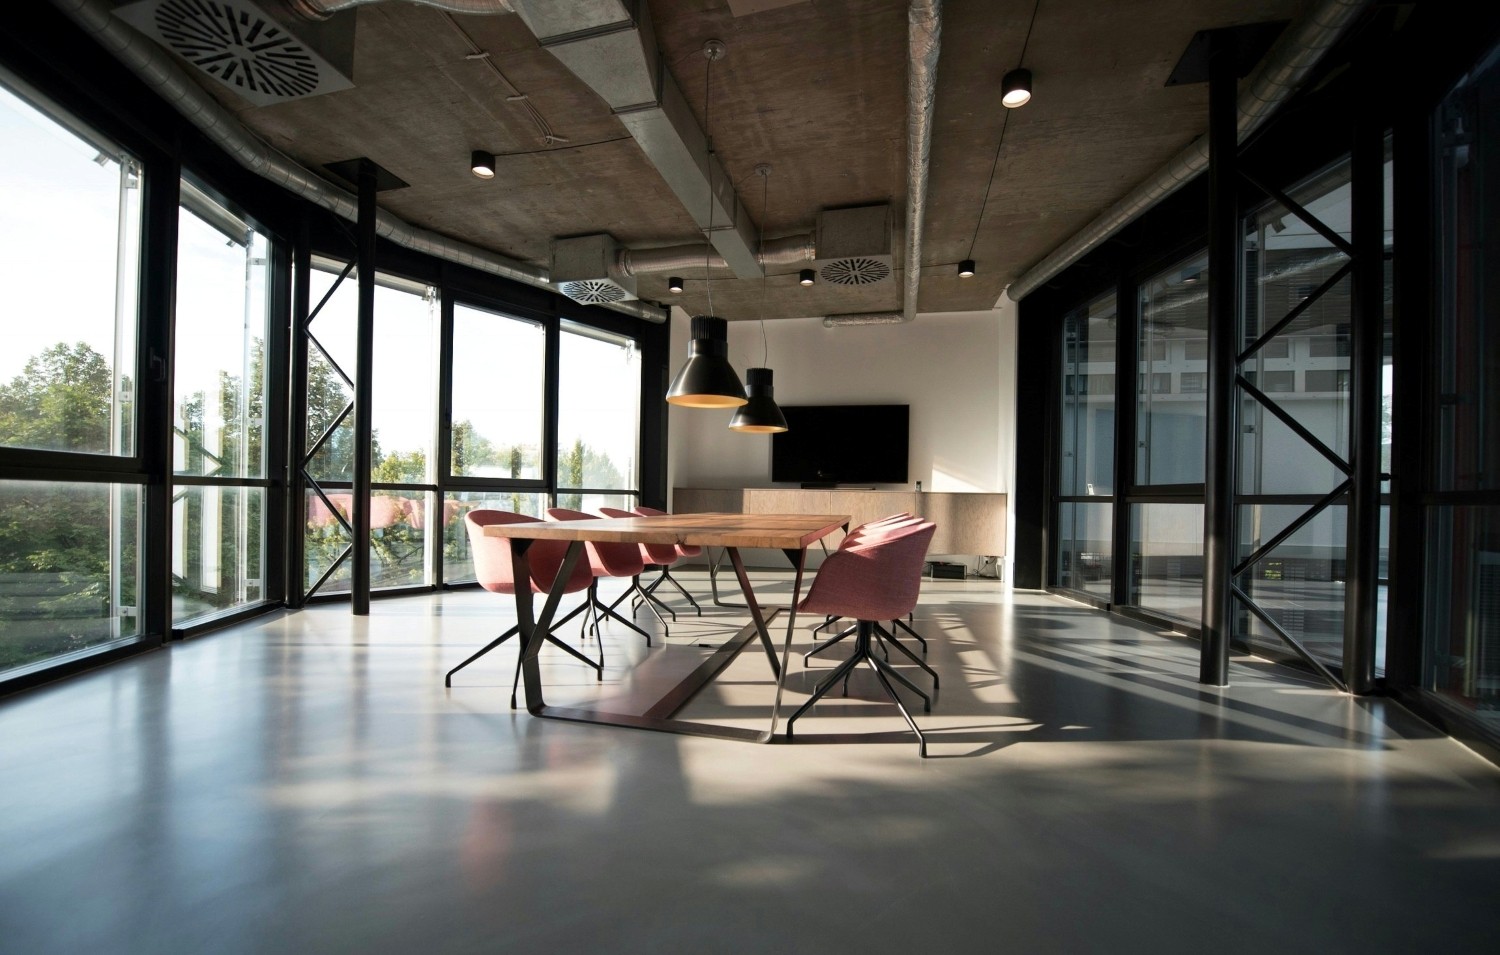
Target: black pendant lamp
pixel 706 379
pixel 760 415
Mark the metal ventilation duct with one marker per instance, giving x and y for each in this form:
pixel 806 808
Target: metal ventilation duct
pixel 855 245
pixel 583 269
pixel 242 47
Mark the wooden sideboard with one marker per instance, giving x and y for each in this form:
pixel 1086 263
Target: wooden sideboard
pixel 967 523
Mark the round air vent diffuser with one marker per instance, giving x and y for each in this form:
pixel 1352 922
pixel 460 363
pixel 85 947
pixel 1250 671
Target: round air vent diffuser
pixel 855 271
pixel 592 291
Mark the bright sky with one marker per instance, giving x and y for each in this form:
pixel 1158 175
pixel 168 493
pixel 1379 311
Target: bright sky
pixel 59 231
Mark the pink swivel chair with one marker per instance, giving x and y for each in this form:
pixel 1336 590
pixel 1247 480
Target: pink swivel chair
pixel 865 532
pixel 606 560
pixel 875 578
pixel 683 550
pixel 496 573
pixel 652 555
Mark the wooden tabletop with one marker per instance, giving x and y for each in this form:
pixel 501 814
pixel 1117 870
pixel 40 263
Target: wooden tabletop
pixel 781 531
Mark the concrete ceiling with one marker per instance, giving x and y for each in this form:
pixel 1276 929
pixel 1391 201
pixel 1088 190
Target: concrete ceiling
pixel 815 88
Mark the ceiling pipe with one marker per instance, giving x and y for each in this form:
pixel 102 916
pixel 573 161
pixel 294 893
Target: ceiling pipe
pixel 792 250
pixel 158 70
pixel 924 35
pixel 865 318
pixel 323 9
pixel 1277 77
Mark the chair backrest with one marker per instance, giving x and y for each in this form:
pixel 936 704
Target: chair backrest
pixel 876 578
pixel 684 550
pixel 662 555
pixel 492 563
pixel 885 525
pixel 608 559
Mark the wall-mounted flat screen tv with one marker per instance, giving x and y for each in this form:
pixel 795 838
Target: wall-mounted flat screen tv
pixel 826 445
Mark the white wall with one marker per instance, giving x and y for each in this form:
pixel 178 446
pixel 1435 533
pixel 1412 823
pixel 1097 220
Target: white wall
pixel 955 369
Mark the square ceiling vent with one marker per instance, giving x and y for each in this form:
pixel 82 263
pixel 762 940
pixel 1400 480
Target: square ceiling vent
pixel 583 269
pixel 238 44
pixel 854 245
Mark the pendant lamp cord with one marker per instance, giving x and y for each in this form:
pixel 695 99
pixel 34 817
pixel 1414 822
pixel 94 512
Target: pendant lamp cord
pixel 708 157
pixel 765 204
pixel 1003 124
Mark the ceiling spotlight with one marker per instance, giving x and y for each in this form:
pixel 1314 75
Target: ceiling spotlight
pixel 807 277
pixel 1015 88
pixel 674 285
pixel 482 164
pixel 966 269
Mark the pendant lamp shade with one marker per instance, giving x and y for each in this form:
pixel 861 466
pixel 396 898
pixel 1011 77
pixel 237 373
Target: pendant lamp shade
pixel 706 379
pixel 760 415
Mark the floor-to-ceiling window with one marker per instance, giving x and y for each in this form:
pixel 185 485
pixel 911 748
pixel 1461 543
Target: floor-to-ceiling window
pixel 599 409
pixel 219 426
pixel 497 438
pixel 1086 453
pixel 70 499
pixel 1295 415
pixel 1461 651
pixel 1166 497
pixel 403 426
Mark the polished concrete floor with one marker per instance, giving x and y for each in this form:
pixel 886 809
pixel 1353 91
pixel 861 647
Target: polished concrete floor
pixel 305 783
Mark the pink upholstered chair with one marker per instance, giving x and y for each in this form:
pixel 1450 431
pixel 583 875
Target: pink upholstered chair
pixel 607 560
pixel 867 531
pixel 496 573
pixel 875 578
pixel 683 550
pixel 652 555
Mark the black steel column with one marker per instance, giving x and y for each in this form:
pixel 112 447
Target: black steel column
pixel 1224 269
pixel 364 364
pixel 296 418
pixel 1127 356
pixel 1367 333
pixel 154 413
pixel 280 466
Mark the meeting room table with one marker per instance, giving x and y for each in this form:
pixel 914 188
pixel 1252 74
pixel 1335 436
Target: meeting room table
pixel 791 534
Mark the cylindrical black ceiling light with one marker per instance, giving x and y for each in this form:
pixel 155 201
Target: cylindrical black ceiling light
pixel 966 269
pixel 706 379
pixel 760 415
pixel 482 164
pixel 807 277
pixel 1015 88
pixel 674 285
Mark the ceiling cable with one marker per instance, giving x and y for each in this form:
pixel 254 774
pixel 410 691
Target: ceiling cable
pixel 708 155
pixel 765 204
pixel 1004 123
pixel 515 95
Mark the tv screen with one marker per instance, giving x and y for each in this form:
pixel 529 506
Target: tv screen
pixel 841 444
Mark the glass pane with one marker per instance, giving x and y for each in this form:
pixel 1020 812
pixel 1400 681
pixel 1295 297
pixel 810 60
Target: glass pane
pixel 1275 460
pixel 1088 401
pixel 592 502
pixel 1300 583
pixel 404 415
pixel 69 574
pixel 1085 557
pixel 1166 559
pixel 325 537
pixel 1461 659
pixel 220 386
pixel 458 566
pixel 599 403
pixel 70 218
pixel 398 554
pixel 1468 360
pixel 499 369
pixel 218 549
pixel 1170 424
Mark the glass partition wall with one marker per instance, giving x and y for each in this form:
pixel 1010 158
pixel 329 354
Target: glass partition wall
pixel 1293 428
